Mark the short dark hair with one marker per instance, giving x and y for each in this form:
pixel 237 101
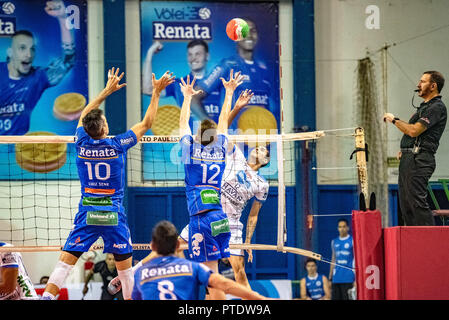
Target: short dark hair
pixel 165 237
pixel 93 123
pixel 23 33
pixel 343 220
pixel 208 131
pixel 198 42
pixel 309 260
pixel 437 78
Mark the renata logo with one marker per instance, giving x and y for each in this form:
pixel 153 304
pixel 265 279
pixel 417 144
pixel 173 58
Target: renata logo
pixel 182 30
pixel 97 153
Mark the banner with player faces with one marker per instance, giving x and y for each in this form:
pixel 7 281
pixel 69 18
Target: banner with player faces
pixel 43 81
pixel 189 38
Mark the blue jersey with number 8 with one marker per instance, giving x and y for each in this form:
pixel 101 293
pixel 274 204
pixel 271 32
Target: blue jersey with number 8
pixel 170 278
pixel 204 167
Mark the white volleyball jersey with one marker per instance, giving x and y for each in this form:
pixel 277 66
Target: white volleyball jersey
pixel 25 289
pixel 240 184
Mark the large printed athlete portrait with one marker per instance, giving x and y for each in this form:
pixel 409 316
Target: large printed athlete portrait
pixel 44 50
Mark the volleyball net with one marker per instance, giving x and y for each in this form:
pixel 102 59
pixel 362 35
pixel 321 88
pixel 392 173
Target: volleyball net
pixel 40 189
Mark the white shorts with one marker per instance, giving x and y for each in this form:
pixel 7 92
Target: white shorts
pixel 236 236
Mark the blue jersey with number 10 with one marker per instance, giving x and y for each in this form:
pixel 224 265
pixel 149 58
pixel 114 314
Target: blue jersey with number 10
pixel 101 168
pixel 204 167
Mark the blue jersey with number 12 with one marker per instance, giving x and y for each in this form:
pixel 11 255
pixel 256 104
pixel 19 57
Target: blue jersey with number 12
pixel 101 168
pixel 204 167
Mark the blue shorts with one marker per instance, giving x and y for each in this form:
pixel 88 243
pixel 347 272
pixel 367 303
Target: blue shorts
pixel 88 228
pixel 209 236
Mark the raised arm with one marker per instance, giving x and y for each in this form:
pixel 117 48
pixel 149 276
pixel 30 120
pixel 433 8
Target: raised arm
pixel 251 225
pixel 188 91
pixel 147 70
pixel 112 85
pixel 61 66
pixel 230 87
pixel 241 102
pixel 158 85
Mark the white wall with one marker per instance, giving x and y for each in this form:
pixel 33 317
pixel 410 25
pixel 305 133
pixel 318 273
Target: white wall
pixel 341 38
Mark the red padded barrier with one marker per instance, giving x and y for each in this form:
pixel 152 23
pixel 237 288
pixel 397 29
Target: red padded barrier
pixel 368 253
pixel 416 263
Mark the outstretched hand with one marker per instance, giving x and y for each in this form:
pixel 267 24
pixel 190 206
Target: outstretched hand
pixel 161 83
pixel 187 87
pixel 233 82
pixel 243 99
pixel 114 79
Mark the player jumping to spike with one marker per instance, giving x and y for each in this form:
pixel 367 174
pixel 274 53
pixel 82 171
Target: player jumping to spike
pixel 101 163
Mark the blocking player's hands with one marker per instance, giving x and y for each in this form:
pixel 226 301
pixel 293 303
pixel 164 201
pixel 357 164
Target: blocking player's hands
pixel 187 87
pixel 244 99
pixel 161 83
pixel 55 9
pixel 113 83
pixel 233 82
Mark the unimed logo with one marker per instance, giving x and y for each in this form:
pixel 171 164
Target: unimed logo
pixel 373 279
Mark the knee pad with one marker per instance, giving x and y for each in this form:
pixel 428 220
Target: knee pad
pixel 60 274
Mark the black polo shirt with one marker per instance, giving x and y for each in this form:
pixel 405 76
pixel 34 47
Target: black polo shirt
pixel 433 115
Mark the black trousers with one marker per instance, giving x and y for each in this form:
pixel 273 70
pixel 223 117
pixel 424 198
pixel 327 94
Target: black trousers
pixel 340 290
pixel 415 171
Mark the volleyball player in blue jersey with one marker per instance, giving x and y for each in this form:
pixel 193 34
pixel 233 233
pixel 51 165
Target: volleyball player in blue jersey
pixel 101 163
pixel 203 157
pixel 314 286
pixel 343 279
pixel 22 84
pixel 168 277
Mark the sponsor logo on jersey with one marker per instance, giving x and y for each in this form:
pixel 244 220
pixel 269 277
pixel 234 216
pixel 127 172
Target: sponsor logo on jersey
pixel 204 155
pixel 181 30
pixel 220 226
pixel 9 258
pixel 12 108
pixel 209 196
pixel 197 238
pixel 170 270
pixel 97 153
pixel 126 141
pixel 97 201
pixel 229 190
pixel 259 100
pixel 119 245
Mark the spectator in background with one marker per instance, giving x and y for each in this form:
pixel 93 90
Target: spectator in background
pixel 314 286
pixel 342 279
pixel 108 271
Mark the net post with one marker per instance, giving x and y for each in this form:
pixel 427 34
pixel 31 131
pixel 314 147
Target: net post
pixel 281 236
pixel 362 171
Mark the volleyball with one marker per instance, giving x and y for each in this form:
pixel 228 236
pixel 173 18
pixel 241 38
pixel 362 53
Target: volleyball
pixel 204 13
pixel 237 29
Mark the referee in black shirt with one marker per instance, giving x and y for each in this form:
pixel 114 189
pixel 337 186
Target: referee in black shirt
pixel 421 138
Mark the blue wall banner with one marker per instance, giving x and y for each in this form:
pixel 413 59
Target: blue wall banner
pixel 43 76
pixel 189 38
